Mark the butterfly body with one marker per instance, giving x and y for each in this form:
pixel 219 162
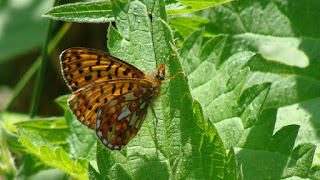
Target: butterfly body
pixel 110 95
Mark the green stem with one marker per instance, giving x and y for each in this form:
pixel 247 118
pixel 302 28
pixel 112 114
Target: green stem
pixel 35 66
pixel 43 65
pixel 7 166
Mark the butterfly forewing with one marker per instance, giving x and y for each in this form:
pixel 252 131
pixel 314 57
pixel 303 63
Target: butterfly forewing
pixel 83 66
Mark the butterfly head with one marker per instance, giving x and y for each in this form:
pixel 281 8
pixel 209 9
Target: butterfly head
pixel 160 72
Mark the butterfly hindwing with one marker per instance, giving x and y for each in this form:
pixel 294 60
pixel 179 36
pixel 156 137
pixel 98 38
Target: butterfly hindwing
pixel 86 101
pixel 120 119
pixel 83 66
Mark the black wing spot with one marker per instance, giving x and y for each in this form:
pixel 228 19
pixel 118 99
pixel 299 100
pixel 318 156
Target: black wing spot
pixel 121 88
pixel 116 71
pixel 110 65
pixel 130 86
pixel 126 72
pixel 98 61
pixel 78 64
pixel 99 74
pixel 109 76
pixel 80 71
pixel 90 68
pixel 113 89
pixel 88 78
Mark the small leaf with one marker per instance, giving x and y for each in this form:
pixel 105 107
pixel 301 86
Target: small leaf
pixel 46 127
pixel 54 157
pixel 94 12
pixel 187 25
pixel 192 6
pixel 62 101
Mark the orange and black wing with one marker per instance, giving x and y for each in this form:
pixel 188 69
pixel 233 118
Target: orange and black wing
pixel 86 102
pixel 120 119
pixel 83 66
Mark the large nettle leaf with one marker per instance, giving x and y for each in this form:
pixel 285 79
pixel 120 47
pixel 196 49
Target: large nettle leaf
pixel 189 146
pixel 285 34
pixel 238 110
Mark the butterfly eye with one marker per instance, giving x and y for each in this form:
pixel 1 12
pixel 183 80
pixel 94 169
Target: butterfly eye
pixel 160 76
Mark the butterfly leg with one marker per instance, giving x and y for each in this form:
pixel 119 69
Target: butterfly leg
pixel 155 129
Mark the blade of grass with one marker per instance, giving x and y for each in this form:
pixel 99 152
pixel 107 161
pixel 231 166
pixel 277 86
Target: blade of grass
pixel 43 65
pixel 35 66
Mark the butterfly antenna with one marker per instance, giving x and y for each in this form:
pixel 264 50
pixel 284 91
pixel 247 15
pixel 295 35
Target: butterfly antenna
pixel 154 52
pixel 174 76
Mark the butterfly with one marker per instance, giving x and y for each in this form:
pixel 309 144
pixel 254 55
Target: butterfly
pixel 110 96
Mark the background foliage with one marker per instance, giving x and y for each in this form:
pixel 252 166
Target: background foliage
pixel 248 108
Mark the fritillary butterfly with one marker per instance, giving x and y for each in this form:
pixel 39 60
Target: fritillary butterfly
pixel 110 95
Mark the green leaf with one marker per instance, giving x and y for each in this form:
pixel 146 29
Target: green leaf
pixel 54 157
pixel 49 174
pixel 7 166
pixel 54 129
pixel 284 35
pixel 62 101
pixel 273 154
pixel 93 174
pixel 93 12
pixel 189 146
pixel 12 140
pixel 191 5
pixel 230 166
pixel 186 26
pixel 100 11
pixel 237 111
pixel 81 140
pixel 8 128
pixel 31 166
pixel 10 118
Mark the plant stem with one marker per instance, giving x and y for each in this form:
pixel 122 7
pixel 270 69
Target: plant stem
pixel 35 66
pixel 38 86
